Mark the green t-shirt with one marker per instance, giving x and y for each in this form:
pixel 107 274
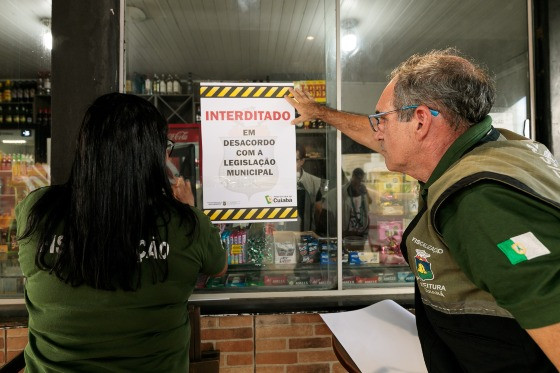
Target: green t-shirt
pixel 478 218
pixel 81 329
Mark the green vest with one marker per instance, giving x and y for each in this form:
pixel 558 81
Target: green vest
pixel 442 284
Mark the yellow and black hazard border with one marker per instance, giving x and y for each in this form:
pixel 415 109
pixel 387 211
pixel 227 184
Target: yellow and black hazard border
pixel 252 214
pixel 243 91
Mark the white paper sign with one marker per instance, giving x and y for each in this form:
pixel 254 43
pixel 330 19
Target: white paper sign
pixel 248 149
pixel 379 338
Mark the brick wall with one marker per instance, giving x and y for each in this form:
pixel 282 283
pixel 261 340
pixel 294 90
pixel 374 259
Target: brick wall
pixel 294 343
pixel 270 343
pixel 12 342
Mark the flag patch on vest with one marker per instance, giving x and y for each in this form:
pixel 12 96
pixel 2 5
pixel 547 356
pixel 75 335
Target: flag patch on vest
pixel 523 247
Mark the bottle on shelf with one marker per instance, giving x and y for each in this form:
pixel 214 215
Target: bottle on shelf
pixel 32 90
pixel 19 92
pixel 176 85
pixel 198 114
pixel 162 85
pixel 25 92
pixel 1 91
pixel 23 114
pixel 128 86
pixel 155 84
pixel 7 93
pixel 15 115
pixel 49 117
pixel 40 86
pixel 169 84
pixel 47 83
pixel 15 91
pixel 8 116
pixel 148 90
pixel 189 84
pixel 40 117
pixel 28 116
pixel 1 115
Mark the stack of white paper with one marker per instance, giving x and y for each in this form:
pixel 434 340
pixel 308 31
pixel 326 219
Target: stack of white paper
pixel 381 338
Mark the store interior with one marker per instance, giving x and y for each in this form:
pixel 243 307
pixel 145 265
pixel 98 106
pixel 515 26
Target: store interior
pixel 254 41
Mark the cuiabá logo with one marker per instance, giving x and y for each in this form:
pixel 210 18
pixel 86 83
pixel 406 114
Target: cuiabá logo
pixel 268 199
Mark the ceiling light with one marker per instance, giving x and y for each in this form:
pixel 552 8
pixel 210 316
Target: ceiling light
pixel 310 37
pixel 47 35
pixel 135 14
pixel 14 141
pixel 349 42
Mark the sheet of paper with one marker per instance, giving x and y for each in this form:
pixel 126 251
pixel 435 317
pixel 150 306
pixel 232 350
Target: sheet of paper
pixel 381 338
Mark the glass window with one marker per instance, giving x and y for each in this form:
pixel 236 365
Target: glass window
pixel 25 59
pixel 375 37
pixel 172 47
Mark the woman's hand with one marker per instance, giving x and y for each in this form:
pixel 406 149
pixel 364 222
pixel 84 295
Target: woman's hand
pixel 182 190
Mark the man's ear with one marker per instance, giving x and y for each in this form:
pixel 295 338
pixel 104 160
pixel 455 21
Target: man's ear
pixel 424 121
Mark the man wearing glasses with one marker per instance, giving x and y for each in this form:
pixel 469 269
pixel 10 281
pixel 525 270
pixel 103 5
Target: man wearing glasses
pixel 485 245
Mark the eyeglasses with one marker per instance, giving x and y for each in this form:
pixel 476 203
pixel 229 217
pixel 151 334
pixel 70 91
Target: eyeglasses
pixel 375 124
pixel 169 147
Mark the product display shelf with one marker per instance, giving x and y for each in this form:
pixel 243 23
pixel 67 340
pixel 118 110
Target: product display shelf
pixel 176 108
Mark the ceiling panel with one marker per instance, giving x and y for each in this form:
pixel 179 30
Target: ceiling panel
pixel 21 31
pixel 256 39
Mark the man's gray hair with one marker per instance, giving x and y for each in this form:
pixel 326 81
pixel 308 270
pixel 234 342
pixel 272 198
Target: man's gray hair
pixel 460 90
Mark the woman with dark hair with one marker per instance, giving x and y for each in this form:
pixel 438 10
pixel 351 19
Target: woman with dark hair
pixel 112 256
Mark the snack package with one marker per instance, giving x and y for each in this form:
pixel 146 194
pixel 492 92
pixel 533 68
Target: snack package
pixel 390 235
pixel 284 248
pixel 236 281
pixel 390 230
pixel 275 280
pixel 373 278
pixel 328 248
pixel 363 257
pixel 389 192
pixel 298 280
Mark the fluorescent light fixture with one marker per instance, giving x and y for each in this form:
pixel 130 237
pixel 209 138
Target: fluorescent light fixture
pixel 310 37
pixel 14 141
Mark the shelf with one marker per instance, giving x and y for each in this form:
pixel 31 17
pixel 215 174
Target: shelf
pixel 311 131
pixel 16 103
pixel 183 95
pixel 176 108
pixel 235 268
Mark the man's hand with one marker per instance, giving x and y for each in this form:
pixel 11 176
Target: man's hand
pixel 304 103
pixel 182 191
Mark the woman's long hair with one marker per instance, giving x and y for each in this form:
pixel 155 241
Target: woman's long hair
pixel 117 194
